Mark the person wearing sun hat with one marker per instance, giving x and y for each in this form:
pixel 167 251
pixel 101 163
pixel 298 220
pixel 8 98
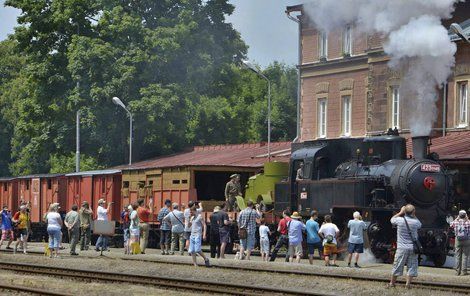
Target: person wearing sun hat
pixel 296 227
pixel 461 227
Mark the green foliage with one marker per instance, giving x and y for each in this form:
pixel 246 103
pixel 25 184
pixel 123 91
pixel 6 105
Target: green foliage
pixel 171 62
pixel 61 164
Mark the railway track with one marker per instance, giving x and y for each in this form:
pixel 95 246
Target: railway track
pixel 179 284
pixel 30 290
pixel 430 285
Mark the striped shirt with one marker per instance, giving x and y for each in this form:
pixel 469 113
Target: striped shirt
pixel 404 240
pixel 164 225
pixel 461 228
pixel 247 219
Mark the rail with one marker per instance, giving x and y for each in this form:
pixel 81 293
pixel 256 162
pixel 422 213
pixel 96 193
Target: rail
pixel 179 284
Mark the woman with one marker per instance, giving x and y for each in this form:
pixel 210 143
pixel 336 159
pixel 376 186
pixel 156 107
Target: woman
pixel 23 225
pixel 54 226
pixel 134 228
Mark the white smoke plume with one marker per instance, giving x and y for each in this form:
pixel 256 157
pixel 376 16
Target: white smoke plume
pixel 415 40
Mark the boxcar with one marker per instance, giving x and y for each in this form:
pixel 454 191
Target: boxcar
pixel 93 185
pixel 9 193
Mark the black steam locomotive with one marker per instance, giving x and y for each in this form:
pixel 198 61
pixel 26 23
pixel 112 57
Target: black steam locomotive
pixel 372 175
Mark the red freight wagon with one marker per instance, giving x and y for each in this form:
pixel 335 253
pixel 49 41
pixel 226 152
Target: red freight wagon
pixel 41 191
pixel 9 193
pixel 93 185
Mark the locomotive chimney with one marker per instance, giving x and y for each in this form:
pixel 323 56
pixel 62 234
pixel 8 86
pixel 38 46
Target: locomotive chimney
pixel 420 147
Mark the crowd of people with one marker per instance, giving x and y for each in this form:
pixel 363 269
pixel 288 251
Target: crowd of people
pixel 186 229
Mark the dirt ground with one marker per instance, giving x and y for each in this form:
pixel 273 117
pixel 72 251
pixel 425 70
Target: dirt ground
pixel 114 263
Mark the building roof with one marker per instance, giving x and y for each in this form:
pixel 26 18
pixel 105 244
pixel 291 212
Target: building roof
pixel 466 30
pixel 4 179
pixel 454 146
pixel 234 155
pixel 40 176
pixel 95 173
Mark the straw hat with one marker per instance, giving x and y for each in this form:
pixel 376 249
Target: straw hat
pixel 295 215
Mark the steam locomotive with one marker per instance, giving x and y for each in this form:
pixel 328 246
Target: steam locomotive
pixel 374 176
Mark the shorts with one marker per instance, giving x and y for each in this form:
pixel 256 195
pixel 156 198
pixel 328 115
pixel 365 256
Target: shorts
pixel 296 250
pixel 224 235
pixel 165 236
pixel 312 247
pixel 55 237
pixel 264 245
pixel 355 248
pixel 329 249
pixel 21 232
pixel 187 235
pixel 408 257
pixel 248 243
pixel 194 244
pixel 7 234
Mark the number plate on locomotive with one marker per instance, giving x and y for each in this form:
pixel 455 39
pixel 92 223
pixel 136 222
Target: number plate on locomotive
pixel 428 167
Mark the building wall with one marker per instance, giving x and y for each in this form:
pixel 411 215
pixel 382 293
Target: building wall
pixel 372 82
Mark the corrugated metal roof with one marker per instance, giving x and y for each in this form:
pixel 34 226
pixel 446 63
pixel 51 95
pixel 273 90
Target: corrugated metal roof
pixel 454 146
pixel 234 155
pixel 94 173
pixel 466 30
pixel 7 178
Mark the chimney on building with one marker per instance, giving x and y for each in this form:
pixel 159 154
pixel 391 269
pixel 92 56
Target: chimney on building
pixel 420 147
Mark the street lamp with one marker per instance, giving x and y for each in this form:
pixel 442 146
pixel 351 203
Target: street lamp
pixel 255 69
pixel 457 29
pixel 118 102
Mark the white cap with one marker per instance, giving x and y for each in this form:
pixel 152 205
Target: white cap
pixel 462 213
pixel 130 208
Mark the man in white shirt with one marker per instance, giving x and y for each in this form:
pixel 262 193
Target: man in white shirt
pixel 329 232
pixel 102 215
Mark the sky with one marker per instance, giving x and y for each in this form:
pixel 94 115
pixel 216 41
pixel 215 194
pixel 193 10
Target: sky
pixel 263 24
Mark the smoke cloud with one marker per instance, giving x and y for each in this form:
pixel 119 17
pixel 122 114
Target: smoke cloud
pixel 416 42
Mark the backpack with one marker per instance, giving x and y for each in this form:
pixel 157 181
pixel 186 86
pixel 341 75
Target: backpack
pixel 329 239
pixel 461 232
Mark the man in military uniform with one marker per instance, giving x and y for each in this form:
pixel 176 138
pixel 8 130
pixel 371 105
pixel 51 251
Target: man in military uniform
pixel 232 189
pixel 300 172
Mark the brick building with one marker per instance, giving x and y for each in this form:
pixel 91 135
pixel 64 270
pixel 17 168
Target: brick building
pixel 347 89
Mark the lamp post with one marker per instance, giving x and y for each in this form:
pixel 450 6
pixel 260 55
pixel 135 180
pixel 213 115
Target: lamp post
pixel 457 29
pixel 253 68
pixel 118 102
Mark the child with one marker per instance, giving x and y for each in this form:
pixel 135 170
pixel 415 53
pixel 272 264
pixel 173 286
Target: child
pixel 264 241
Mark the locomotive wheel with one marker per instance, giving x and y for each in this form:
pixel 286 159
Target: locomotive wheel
pixel 439 259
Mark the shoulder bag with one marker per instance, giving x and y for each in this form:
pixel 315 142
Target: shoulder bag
pixel 417 247
pixel 242 231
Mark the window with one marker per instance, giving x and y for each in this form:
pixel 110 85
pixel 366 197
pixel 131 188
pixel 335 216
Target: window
pixel 323 45
pixel 5 188
pixel 49 184
pixel 322 118
pixel 184 181
pixel 346 116
pixel 27 185
pixel 395 120
pixel 347 41
pixel 125 184
pixel 176 182
pixel 463 103
pixel 103 185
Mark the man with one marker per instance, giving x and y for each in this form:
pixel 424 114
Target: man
pixel 461 227
pixel 405 251
pixel 247 221
pixel 356 238
pixel 165 228
pixel 232 190
pixel 72 222
pixel 329 232
pixel 283 239
pixel 187 214
pixel 23 221
pixel 144 214
pixel 224 230
pixel 85 218
pixel 214 235
pixel 7 228
pixel 296 227
pixel 313 239
pixel 198 233
pixel 125 224
pixel 102 215
pixel 300 172
pixel 176 218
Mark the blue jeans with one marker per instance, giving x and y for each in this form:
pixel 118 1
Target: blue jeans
pixel 54 237
pixel 102 242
